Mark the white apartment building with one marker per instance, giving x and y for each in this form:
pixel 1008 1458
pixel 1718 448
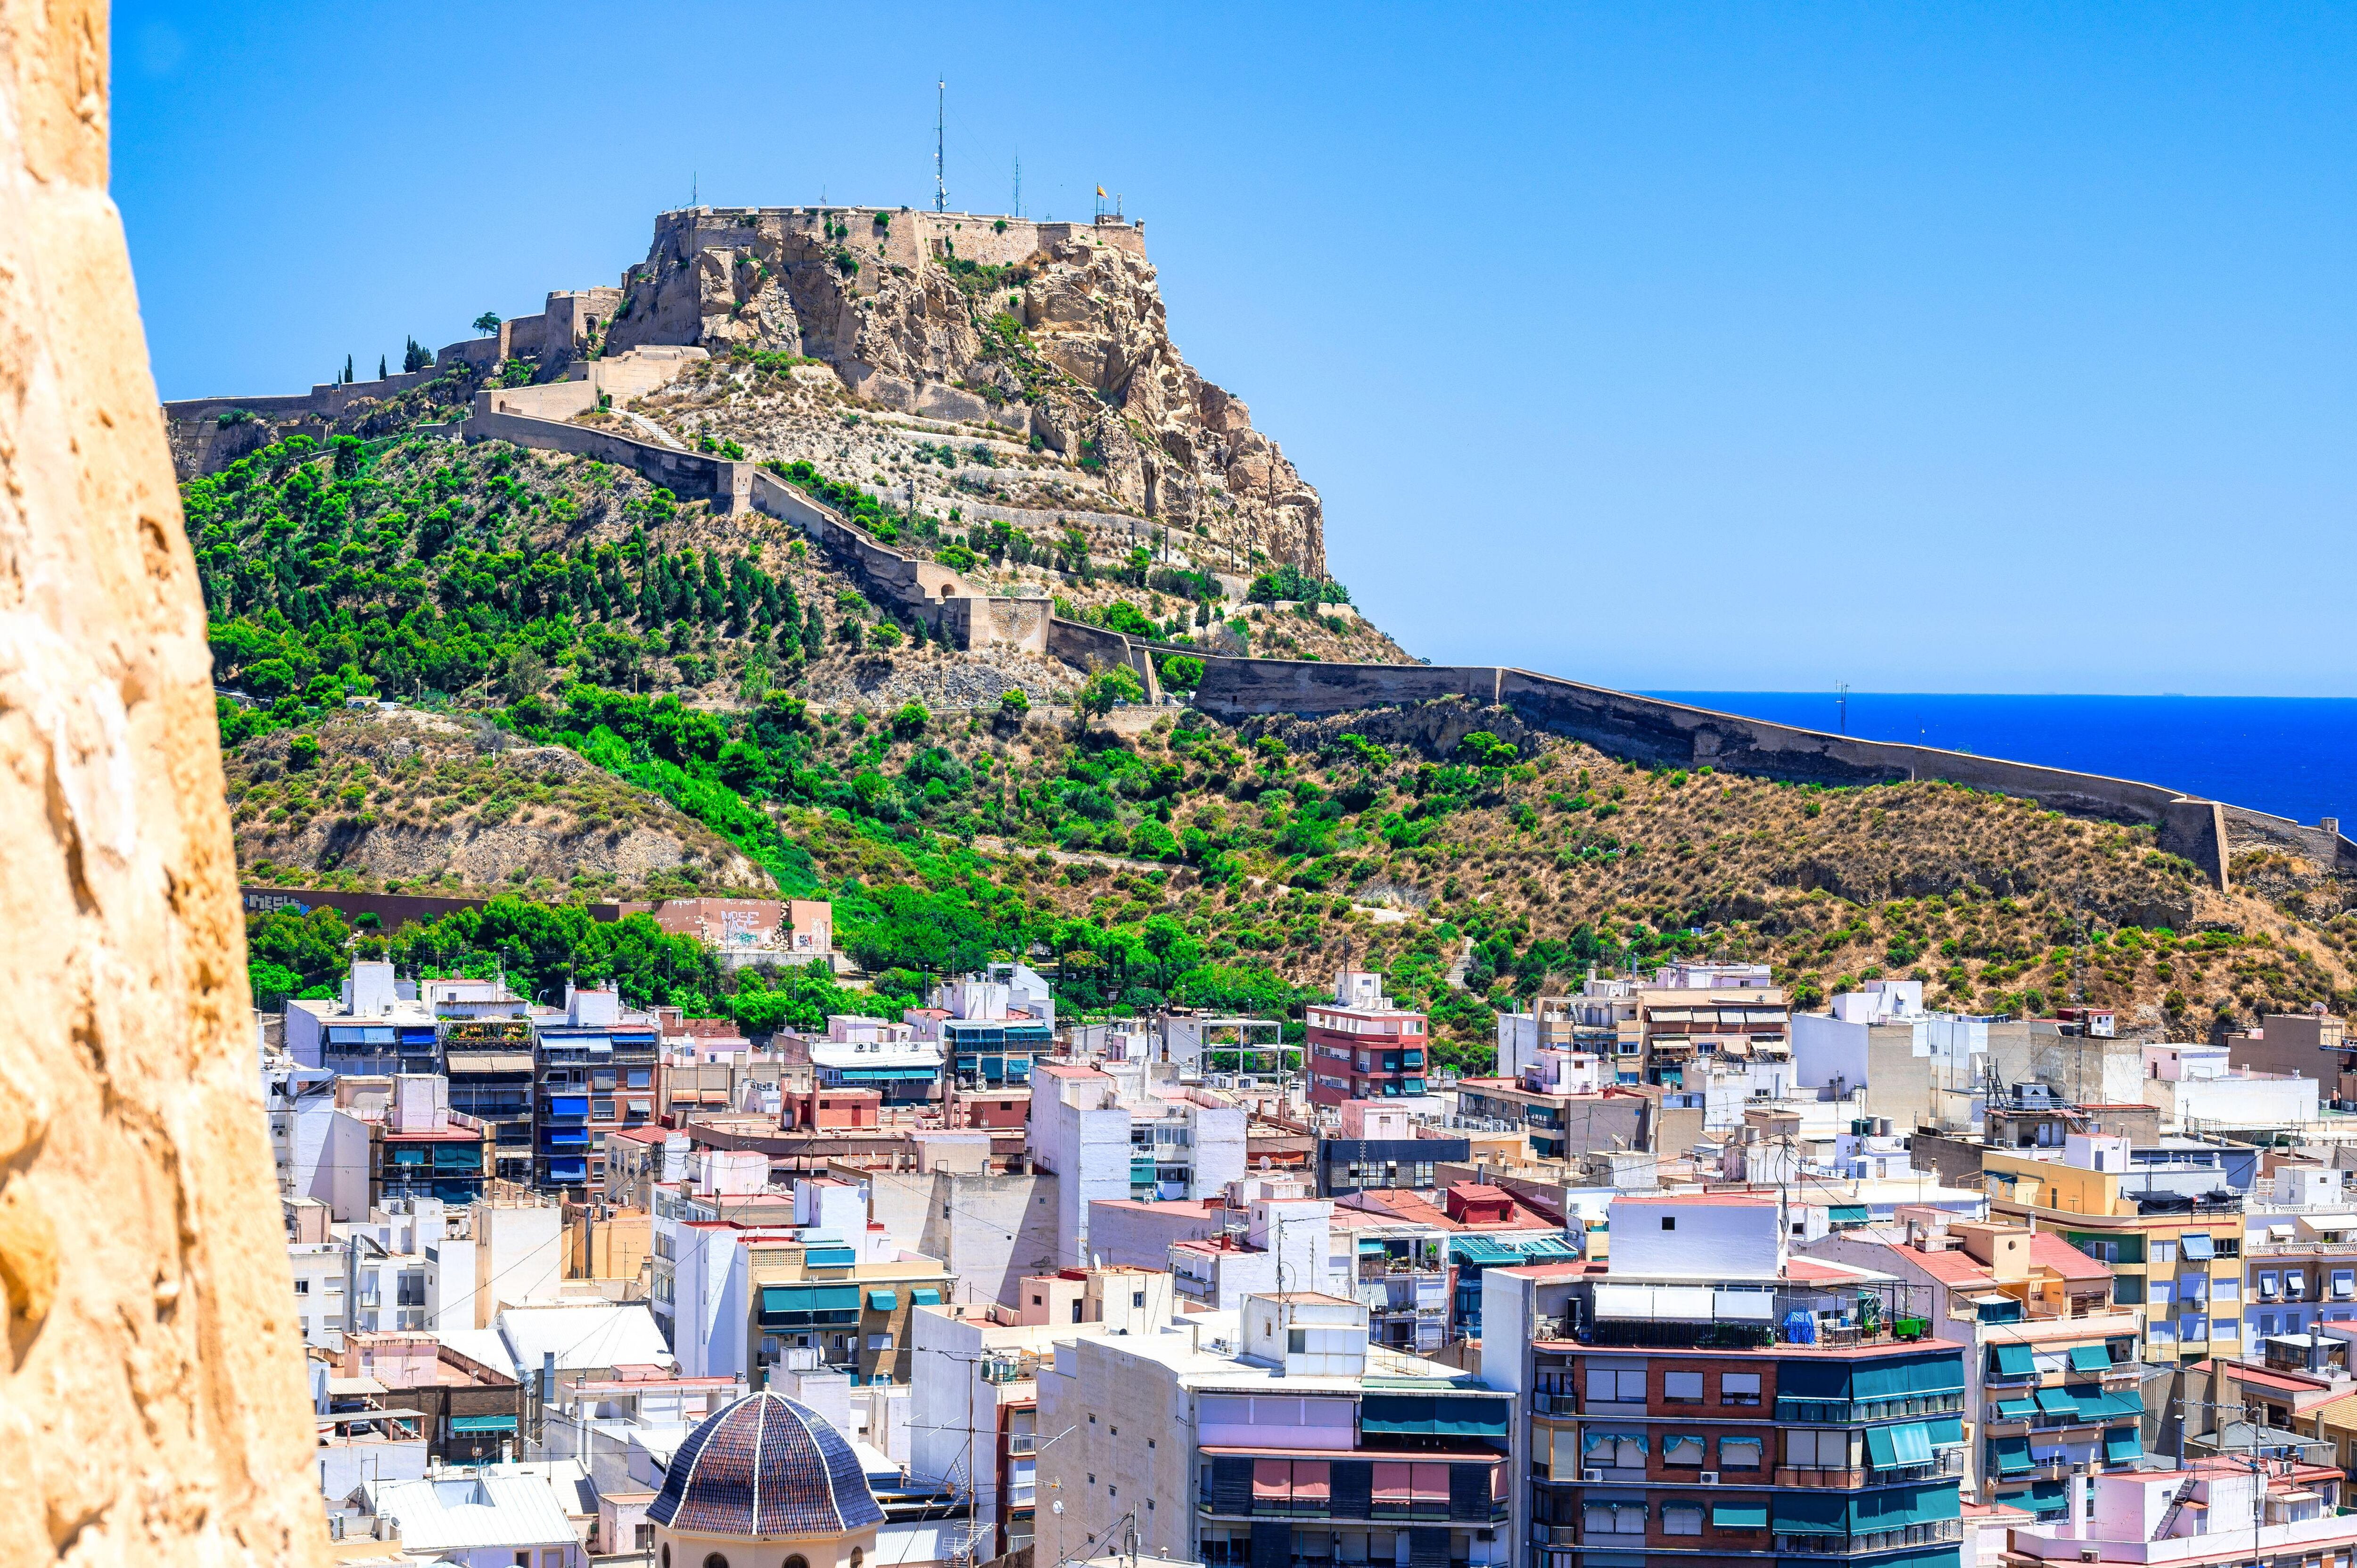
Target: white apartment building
pixel 1276 1433
pixel 1170 1144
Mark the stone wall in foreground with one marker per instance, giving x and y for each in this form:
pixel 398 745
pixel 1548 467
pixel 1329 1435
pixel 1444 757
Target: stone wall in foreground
pixel 153 1403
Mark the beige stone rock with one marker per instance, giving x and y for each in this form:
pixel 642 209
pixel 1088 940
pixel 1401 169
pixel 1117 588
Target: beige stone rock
pixel 152 1402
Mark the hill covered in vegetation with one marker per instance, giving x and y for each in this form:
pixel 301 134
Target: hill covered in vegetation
pixel 711 679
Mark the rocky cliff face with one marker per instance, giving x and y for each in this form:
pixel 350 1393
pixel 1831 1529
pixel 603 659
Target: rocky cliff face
pixel 1052 329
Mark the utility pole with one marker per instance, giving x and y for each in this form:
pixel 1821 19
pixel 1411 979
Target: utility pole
pixel 941 118
pixel 1840 704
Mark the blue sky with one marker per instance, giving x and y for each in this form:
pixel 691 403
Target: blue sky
pixel 1743 347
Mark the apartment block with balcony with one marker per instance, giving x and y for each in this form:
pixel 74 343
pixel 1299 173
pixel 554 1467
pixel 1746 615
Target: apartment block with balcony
pixel 489 1060
pixel 420 1147
pixel 751 1300
pixel 2299 1253
pixel 1566 1102
pixel 1378 1145
pixel 1101 1141
pixel 2216 1512
pixel 594 1064
pixel 2052 1383
pixel 377 1025
pixel 988 1027
pixel 1361 1046
pixel 2168 1218
pixel 1273 1437
pixel 1710 1397
pixel 974 1420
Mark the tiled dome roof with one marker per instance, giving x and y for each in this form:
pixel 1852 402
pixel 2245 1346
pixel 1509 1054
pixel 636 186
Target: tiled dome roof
pixel 766 1465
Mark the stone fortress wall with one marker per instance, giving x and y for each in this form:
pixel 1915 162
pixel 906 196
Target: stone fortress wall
pixel 1644 729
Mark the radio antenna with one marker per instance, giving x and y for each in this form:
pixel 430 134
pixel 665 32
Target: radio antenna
pixel 940 117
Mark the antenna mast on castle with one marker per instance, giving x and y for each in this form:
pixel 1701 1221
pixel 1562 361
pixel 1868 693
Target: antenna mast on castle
pixel 1019 185
pixel 941 115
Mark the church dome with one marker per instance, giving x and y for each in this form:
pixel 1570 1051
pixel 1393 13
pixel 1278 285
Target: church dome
pixel 766 1465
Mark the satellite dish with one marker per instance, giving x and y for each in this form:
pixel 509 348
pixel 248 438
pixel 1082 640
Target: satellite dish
pixel 1057 1507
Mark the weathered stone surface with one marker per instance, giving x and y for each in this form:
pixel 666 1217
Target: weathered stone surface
pixel 152 1402
pixel 1095 365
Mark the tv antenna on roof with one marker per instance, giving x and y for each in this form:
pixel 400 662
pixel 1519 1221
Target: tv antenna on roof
pixel 941 115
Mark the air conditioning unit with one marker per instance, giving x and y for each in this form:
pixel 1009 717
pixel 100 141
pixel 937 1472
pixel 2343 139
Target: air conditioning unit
pixel 1710 1478
pixel 2090 1554
pixel 1591 1475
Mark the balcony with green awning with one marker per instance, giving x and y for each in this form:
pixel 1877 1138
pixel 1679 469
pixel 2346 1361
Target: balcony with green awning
pixel 810 1306
pixel 2012 1361
pixel 2010 1457
pixel 2122 1445
pixel 2017 1409
pixel 2057 1401
pixel 482 1424
pixel 1739 1515
pixel 2091 1358
pixel 1889 1447
pixel 1444 1415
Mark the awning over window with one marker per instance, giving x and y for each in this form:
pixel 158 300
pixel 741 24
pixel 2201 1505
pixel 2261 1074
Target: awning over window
pixel 883 1300
pixel 567 1105
pixel 2011 1455
pixel 1887 1447
pixel 924 1295
pixel 1896 1377
pixel 804 1306
pixel 2013 1362
pixel 1739 1515
pixel 2089 1358
pixel 2016 1410
pixel 1446 1415
pixel 1850 1214
pixel 2195 1244
pixel 2122 1444
pixel 829 1257
pixel 482 1424
pixel 1946 1431
pixel 1597 1437
pixel 2057 1401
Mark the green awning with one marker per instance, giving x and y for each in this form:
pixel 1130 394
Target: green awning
pixel 2011 1455
pixel 882 1300
pixel 800 1306
pixel 1899 1377
pixel 1481 1251
pixel 1739 1515
pixel 2013 1361
pixel 1887 1447
pixel 2116 1404
pixel 2122 1444
pixel 1812 1513
pixel 1850 1214
pixel 829 1257
pixel 482 1424
pixel 924 1295
pixel 2089 1358
pixel 2057 1401
pixel 1443 1415
pixel 1946 1431
pixel 1895 1508
pixel 2016 1410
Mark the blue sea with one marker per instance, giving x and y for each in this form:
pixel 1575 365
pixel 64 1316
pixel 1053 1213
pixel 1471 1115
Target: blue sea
pixel 2296 756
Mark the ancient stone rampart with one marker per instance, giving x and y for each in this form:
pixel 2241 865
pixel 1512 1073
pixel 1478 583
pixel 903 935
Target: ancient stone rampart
pixel 1650 731
pixel 690 476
